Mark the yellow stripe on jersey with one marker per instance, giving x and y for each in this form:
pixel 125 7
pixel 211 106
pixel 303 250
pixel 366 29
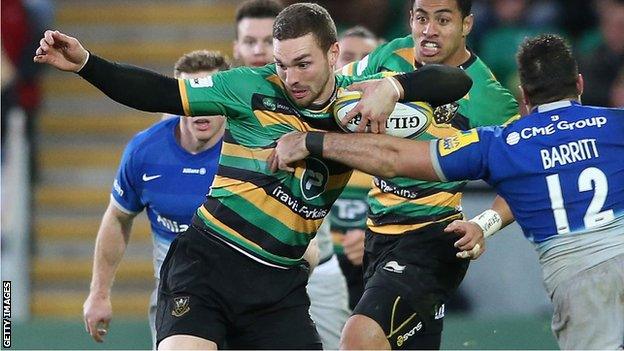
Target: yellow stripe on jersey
pixel 268 118
pixel 275 79
pixel 512 119
pixel 360 180
pixel 229 149
pixel 398 229
pixel 226 228
pixel 407 54
pixel 184 97
pixel 439 199
pixel 269 205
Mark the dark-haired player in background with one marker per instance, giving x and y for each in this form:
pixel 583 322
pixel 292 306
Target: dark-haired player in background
pixel 560 169
pixel 253 46
pixel 348 215
pixel 406 213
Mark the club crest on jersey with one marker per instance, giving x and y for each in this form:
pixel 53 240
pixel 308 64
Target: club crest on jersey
pixel 445 113
pixel 205 82
pixel 180 306
pixel 451 144
pixel 314 178
pixel 269 103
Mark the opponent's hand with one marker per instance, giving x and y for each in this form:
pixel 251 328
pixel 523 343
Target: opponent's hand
pixel 472 242
pixel 290 149
pixel 98 312
pixel 61 51
pixel 377 103
pixel 353 245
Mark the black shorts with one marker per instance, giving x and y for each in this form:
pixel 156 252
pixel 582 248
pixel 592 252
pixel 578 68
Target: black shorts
pixel 408 278
pixel 210 290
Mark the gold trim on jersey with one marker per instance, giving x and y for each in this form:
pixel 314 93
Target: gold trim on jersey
pixel 184 97
pixel 226 228
pixel 441 198
pixel 275 79
pixel 398 229
pixel 360 180
pixel 511 119
pixel 270 206
pixel 407 54
pixel 229 149
pixel 268 118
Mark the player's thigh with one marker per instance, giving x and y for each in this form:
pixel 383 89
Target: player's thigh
pixel 404 325
pixel 187 304
pixel 285 326
pixel 589 308
pixel 186 342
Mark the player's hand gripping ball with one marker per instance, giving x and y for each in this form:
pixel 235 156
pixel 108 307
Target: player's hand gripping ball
pixel 408 120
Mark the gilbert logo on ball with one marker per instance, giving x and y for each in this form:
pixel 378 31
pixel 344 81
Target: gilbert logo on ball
pixel 408 120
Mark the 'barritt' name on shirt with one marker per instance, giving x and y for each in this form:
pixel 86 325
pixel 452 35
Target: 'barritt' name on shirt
pixel 567 153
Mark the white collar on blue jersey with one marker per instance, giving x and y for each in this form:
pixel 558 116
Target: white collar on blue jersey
pixel 554 105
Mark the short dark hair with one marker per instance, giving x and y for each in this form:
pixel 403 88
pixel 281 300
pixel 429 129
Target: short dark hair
pixel 465 6
pixel 358 32
pixel 548 70
pixel 301 19
pixel 257 9
pixel 200 60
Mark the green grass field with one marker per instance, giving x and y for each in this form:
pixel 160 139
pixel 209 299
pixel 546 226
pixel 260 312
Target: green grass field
pixel 460 333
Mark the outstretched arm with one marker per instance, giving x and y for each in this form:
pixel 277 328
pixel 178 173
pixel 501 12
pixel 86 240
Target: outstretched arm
pixel 129 85
pixel 376 154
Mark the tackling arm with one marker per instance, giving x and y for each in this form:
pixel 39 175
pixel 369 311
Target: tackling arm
pixel 381 155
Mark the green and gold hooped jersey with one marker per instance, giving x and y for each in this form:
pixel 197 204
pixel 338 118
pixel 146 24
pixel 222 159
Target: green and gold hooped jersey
pixel 398 205
pixel 271 216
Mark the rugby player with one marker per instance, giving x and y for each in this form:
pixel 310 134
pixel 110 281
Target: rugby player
pixel 253 45
pixel 406 213
pixel 166 170
pixel 327 286
pixel 348 215
pixel 237 273
pixel 560 170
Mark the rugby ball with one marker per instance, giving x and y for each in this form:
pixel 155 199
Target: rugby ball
pixel 408 120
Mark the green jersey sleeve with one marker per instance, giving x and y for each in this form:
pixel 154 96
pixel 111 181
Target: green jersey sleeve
pixel 224 93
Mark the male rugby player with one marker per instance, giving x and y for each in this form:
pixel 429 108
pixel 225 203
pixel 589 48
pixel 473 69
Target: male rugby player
pixel 327 286
pixel 167 170
pixel 560 169
pixel 253 45
pixel 406 213
pixel 348 215
pixel 236 274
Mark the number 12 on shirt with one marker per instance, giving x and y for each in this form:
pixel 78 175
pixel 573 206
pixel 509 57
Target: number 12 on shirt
pixel 591 178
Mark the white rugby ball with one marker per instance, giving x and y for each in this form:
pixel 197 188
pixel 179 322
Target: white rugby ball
pixel 408 120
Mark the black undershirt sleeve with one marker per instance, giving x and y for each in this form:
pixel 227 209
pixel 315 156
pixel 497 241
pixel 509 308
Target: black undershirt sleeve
pixel 436 84
pixel 133 86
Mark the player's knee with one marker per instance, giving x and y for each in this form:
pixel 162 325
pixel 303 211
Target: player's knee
pixel 186 342
pixel 361 332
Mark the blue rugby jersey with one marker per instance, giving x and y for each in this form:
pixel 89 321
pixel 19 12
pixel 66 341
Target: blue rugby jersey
pixel 158 175
pixel 561 168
